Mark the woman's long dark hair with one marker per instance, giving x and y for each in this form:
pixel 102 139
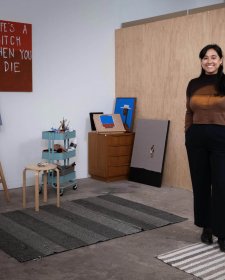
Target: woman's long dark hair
pixel 220 75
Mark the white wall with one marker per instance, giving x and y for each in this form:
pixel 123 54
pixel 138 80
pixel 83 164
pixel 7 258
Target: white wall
pixel 73 71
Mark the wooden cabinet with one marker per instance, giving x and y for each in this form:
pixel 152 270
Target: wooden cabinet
pixel 109 155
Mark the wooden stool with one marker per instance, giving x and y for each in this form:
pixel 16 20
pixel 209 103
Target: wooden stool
pixel 3 181
pixel 38 169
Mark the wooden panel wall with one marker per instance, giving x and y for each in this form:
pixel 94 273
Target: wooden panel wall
pixel 154 63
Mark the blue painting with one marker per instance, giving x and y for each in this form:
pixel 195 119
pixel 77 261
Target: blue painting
pixel 107 121
pixel 125 106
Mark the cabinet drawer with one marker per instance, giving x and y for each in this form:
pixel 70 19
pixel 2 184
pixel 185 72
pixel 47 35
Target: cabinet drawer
pixel 121 140
pixel 118 170
pixel 117 161
pixel 119 151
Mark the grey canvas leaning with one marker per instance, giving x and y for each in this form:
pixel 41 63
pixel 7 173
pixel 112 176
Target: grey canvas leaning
pixel 149 151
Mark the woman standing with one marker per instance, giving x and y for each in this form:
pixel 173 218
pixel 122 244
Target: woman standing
pixel 205 144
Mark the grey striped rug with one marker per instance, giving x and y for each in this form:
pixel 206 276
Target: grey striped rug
pixel 204 261
pixel 27 235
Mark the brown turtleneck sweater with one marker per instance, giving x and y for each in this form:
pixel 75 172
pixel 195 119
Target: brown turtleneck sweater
pixel 203 105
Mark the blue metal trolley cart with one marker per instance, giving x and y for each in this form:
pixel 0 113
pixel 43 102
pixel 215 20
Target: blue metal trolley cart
pixel 66 170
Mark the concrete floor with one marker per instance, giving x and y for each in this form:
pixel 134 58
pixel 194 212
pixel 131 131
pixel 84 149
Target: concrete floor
pixel 128 258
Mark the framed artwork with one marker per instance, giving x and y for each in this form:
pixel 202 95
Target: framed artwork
pixel 125 106
pixel 108 123
pixel 93 128
pixel 149 151
pixel 15 56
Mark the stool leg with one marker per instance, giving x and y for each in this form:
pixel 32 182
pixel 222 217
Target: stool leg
pixel 3 181
pixel 24 188
pixel 57 191
pixel 45 187
pixel 36 191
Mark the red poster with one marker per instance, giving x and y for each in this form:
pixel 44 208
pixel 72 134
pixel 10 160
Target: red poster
pixel 15 56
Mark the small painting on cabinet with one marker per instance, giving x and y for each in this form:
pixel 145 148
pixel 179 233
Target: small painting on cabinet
pixel 93 128
pixel 108 123
pixel 125 106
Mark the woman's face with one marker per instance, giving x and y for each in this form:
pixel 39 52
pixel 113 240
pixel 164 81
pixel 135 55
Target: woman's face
pixel 211 62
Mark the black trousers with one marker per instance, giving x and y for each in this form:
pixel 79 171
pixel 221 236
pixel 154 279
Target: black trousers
pixel 205 144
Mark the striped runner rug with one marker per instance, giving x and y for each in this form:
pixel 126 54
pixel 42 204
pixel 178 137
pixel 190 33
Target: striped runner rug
pixel 27 235
pixel 204 261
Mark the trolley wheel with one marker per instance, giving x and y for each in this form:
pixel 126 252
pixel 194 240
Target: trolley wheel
pixel 75 187
pixel 40 189
pixel 61 192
